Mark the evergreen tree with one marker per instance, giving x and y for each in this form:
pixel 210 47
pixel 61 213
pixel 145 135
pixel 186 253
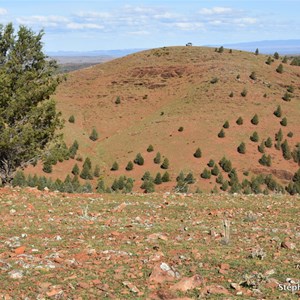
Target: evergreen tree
pixel 19 179
pixel 265 160
pixel 220 179
pixel 296 154
pixel 86 188
pixel 86 172
pixel 240 121
pixel 181 187
pixel 189 179
pixel 158 179
pixel 256 51
pixel 94 135
pixel 211 163
pixel 206 174
pixel 290 89
pixel 285 59
pixel 180 129
pixel 157 158
pixel 215 171
pixel 148 186
pixel 165 164
pixel 121 182
pixel 276 55
pixel 279 135
pixel 115 185
pixel 244 92
pixel 253 76
pixel 269 60
pixel 198 153
pixel 87 163
pixel 241 148
pixel 287 97
pixel 290 134
pixel 28 118
pixel 268 143
pixel 100 186
pixel 180 177
pixel 261 147
pixel 72 119
pixel 146 176
pixel 283 122
pixel 226 124
pixel 278 112
pixel 227 167
pixel 225 186
pixel 165 177
pixel 75 170
pixel 150 148
pixel 231 95
pixel 221 134
pixel 76 183
pixel 129 166
pixel 115 166
pixel 286 152
pixel 139 160
pixel 73 149
pixel 255 120
pixel 47 167
pixel 279 69
pixel 254 137
pixel 118 100
pixel 97 171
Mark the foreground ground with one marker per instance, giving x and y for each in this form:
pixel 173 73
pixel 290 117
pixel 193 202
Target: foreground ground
pixel 158 246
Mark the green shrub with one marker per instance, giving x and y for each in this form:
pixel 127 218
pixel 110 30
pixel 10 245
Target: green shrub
pixel 221 49
pixel 254 137
pixel 19 179
pixel 158 179
pixel 72 119
pixel 279 135
pixel 211 163
pixel 283 122
pixel 241 148
pixel 255 120
pixel 165 164
pixel 220 179
pixel 253 76
pixel 73 149
pixel 290 89
pixel 256 51
pixel 86 172
pixel 97 171
pixel 290 134
pixel 180 177
pixel 139 160
pixel 75 170
pixel 295 61
pixel 244 92
pixel 224 186
pixel 286 152
pixel 94 135
pixel 100 188
pixel 87 163
pixel 198 153
pixel 180 129
pixel 287 97
pixel 285 59
pixel 47 167
pixel 296 154
pixel 148 186
pixel 231 95
pixel 215 170
pixel 146 176
pixel 115 166
pixel 261 147
pixel 181 187
pixel 221 134
pixel 129 166
pixel 189 179
pixel 157 158
pixel 276 55
pixel 118 100
pixel 214 80
pixel 165 177
pixel 269 60
pixel 279 69
pixel 278 112
pixel 240 121
pixel 150 148
pixel 268 142
pixel 206 174
pixel 265 160
pixel 226 124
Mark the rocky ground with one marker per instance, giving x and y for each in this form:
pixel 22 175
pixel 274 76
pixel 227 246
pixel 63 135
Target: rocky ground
pixel 158 246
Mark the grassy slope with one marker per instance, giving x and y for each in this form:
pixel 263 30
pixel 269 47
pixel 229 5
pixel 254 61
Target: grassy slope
pixel 176 81
pixel 78 246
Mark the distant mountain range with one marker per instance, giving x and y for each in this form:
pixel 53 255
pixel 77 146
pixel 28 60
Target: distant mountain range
pixel 283 47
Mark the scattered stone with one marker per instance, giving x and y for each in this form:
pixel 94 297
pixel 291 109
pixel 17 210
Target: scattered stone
pixel 16 274
pixel 216 289
pixel 20 250
pixel 163 272
pixel 288 245
pixel 186 284
pixel 119 208
pixel 131 287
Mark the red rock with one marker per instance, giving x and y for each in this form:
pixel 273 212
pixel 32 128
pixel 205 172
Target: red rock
pixel 288 245
pixel 159 274
pixel 216 289
pixel 120 207
pixel 20 250
pixel 224 266
pixel 186 284
pixel 83 285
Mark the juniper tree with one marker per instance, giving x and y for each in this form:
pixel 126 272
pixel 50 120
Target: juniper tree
pixel 286 152
pixel 150 148
pixel 269 60
pixel 157 158
pixel 261 147
pixel 72 119
pixel 241 148
pixel 94 135
pixel 279 69
pixel 278 112
pixel 211 163
pixel 180 177
pixel 254 137
pixel 221 134
pixel 268 142
pixel 158 179
pixel 75 170
pixel 28 118
pixel 165 177
pixel 115 166
pixel 97 171
pixel 215 170
pixel 226 124
pixel 240 121
pixel 86 172
pixel 129 166
pixel 255 120
pixel 189 179
pixel 206 174
pixel 139 160
pixel 165 164
pixel 283 122
pixel 198 153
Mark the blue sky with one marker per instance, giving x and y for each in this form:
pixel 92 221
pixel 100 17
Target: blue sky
pixel 103 25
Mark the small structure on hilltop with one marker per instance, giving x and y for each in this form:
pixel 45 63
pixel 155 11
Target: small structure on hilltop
pixel 189 44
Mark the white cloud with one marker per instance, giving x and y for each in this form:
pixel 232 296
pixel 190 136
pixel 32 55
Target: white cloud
pixel 216 11
pixel 3 11
pixel 94 15
pixel 45 21
pixel 189 26
pixel 81 26
pixel 140 32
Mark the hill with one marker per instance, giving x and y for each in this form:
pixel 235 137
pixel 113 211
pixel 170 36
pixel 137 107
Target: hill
pixel 195 88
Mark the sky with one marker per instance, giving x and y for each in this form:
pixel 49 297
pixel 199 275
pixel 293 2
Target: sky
pixel 90 25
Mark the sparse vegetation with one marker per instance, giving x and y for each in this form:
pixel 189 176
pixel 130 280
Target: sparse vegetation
pixel 94 135
pixel 221 134
pixel 240 121
pixel 254 137
pixel 150 148
pixel 241 148
pixel 255 120
pixel 72 119
pixel 198 153
pixel 139 160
